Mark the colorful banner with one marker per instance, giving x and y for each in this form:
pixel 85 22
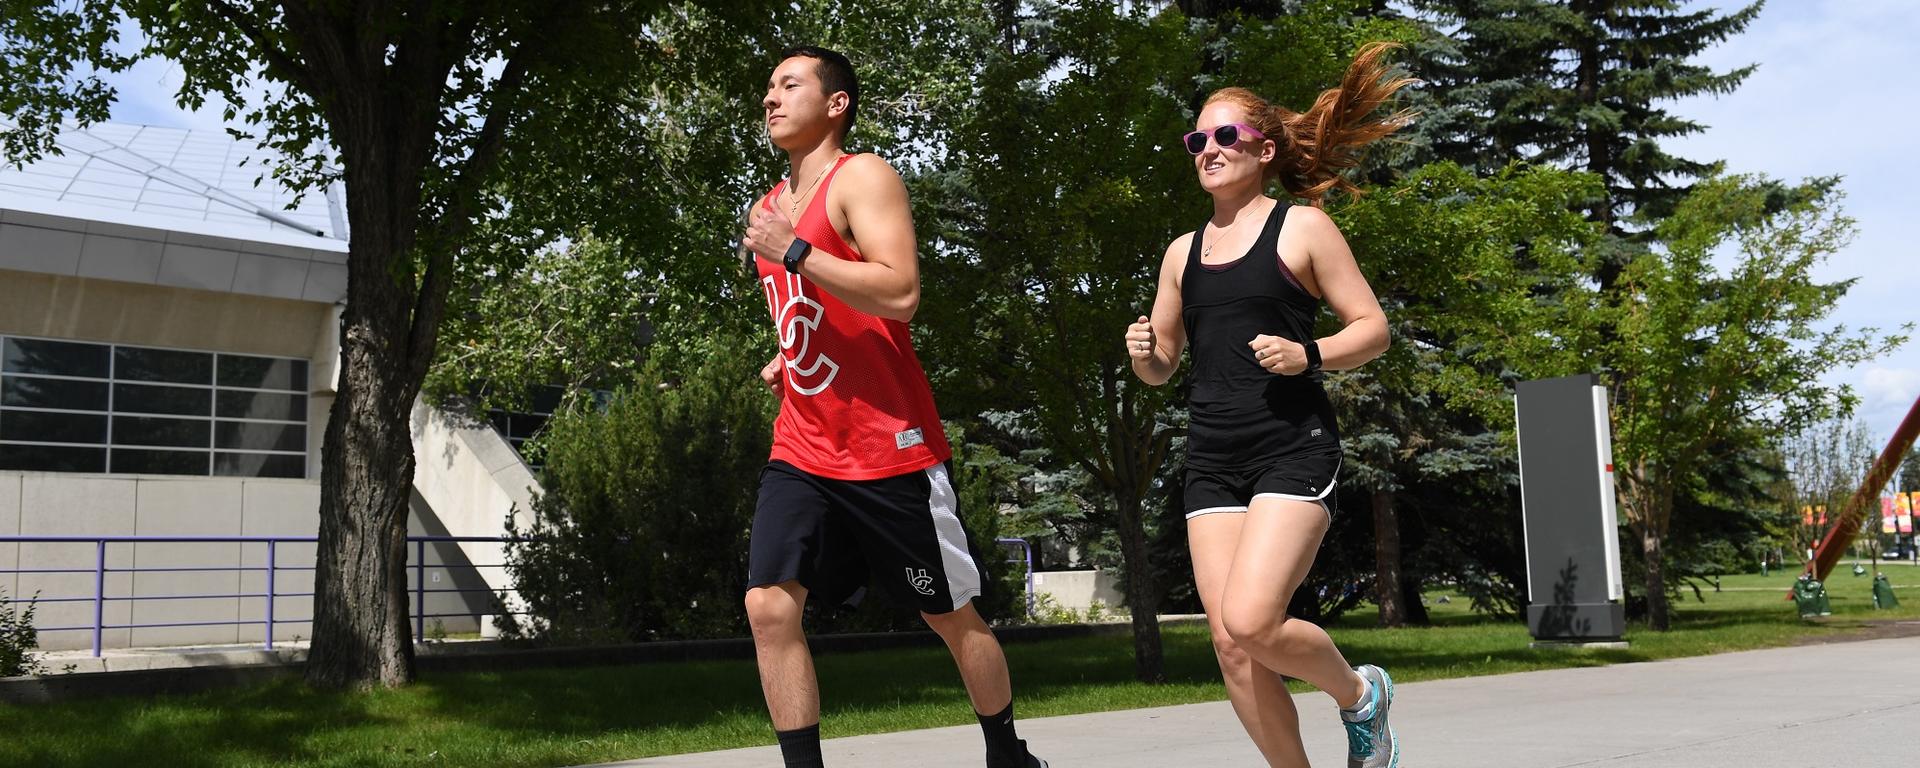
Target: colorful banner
pixel 1896 512
pixel 1814 516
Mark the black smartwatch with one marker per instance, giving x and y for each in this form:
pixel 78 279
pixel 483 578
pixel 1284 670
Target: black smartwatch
pixel 796 254
pixel 1313 356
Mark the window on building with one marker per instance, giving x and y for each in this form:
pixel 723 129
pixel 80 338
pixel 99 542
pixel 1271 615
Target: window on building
pixel 518 427
pixel 69 406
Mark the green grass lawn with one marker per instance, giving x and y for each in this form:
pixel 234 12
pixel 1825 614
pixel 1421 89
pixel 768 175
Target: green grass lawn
pixel 570 717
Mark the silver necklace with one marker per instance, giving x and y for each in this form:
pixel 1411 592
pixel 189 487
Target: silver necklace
pixel 1208 250
pixel 794 209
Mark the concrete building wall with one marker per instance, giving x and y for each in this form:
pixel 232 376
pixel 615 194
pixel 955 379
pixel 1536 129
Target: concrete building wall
pixel 85 309
pixel 51 504
pixel 72 247
pixel 78 280
pixel 9 526
pixel 1076 590
pixel 104 311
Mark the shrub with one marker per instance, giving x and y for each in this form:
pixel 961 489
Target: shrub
pixel 641 533
pixel 17 640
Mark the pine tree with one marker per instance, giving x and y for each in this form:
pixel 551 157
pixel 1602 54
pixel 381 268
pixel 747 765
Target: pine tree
pixel 1580 84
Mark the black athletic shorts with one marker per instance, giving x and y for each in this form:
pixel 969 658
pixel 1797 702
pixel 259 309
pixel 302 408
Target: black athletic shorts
pixel 1309 477
pixel 832 535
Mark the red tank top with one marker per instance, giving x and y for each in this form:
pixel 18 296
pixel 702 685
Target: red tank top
pixel 856 405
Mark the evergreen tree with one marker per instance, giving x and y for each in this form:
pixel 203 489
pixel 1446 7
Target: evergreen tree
pixel 1580 83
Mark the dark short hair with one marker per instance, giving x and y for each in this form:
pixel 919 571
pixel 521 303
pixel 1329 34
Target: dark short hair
pixel 836 74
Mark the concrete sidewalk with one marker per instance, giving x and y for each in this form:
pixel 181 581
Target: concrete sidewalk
pixel 1852 704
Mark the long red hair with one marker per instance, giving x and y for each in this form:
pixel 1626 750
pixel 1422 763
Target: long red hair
pixel 1315 146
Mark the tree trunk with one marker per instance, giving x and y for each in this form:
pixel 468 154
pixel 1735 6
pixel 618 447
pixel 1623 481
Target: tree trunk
pixel 1589 66
pixel 1657 619
pixel 1386 560
pixel 1143 596
pixel 360 590
pixel 361 637
pixel 1416 611
pixel 382 104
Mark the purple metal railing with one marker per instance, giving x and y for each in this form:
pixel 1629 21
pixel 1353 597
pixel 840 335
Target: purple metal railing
pixel 99 598
pixel 1026 557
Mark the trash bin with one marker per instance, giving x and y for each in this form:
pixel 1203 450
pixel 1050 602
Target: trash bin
pixel 1883 592
pixel 1803 599
pixel 1810 597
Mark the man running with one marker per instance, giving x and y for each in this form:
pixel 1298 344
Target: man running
pixel 858 482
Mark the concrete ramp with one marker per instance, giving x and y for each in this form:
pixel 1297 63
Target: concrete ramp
pixel 467 479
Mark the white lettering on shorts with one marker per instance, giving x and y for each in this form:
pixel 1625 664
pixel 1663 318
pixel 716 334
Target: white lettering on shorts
pixel 922 583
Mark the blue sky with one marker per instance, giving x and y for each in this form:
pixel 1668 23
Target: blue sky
pixel 1833 95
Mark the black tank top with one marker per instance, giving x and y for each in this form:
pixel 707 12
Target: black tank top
pixel 1242 416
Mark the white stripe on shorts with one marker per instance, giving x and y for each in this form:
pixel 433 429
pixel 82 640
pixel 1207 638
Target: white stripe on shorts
pixel 1213 510
pixel 1321 499
pixel 963 579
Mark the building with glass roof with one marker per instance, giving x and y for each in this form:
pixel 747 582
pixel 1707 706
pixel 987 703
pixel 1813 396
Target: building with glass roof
pixel 168 349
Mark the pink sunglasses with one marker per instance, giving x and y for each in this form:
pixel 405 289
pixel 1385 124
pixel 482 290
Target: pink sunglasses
pixel 1225 136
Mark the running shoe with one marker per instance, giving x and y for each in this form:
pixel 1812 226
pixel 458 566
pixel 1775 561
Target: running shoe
pixel 1370 740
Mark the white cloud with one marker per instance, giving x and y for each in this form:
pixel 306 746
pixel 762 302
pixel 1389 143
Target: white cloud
pixel 1889 388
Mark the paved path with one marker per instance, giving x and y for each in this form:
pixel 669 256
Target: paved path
pixel 1841 704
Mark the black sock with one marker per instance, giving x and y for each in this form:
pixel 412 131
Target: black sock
pixel 801 747
pixel 1003 747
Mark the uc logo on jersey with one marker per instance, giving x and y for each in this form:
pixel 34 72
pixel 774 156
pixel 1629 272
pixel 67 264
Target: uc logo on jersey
pixel 796 320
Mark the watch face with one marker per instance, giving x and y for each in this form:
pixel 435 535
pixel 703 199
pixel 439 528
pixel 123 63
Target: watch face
pixel 797 253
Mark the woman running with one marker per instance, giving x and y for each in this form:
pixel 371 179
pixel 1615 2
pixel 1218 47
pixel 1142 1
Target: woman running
pixel 1263 452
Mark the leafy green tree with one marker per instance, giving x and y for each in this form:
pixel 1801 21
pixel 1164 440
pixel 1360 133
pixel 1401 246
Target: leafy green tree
pixel 573 317
pixel 652 268
pixel 1438 249
pixel 420 108
pixel 1066 178
pixel 1708 359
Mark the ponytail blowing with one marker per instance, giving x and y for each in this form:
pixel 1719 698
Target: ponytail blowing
pixel 1316 146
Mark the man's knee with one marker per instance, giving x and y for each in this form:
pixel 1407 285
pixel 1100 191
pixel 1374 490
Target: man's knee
pixel 956 623
pixel 772 612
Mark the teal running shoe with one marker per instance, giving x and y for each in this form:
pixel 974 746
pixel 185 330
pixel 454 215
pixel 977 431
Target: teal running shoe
pixel 1370 740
